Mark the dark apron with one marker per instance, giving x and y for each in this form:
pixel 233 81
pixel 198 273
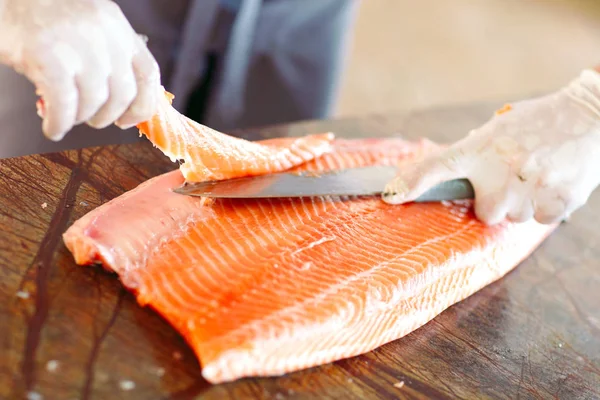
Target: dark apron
pixel 230 64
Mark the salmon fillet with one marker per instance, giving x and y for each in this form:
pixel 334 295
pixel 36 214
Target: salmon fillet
pixel 211 155
pixel 266 287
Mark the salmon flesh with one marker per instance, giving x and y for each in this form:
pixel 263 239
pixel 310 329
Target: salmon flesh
pixel 266 287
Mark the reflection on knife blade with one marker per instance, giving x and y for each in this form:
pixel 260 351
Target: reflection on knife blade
pixel 364 181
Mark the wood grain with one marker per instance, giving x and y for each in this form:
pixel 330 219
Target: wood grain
pixel 70 332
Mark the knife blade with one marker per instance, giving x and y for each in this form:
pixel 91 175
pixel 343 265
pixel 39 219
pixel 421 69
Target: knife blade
pixel 362 181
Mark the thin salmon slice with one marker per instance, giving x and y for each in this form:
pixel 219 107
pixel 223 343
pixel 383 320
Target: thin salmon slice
pixel 211 155
pixel 267 287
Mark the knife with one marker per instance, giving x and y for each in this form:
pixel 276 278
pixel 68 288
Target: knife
pixel 363 181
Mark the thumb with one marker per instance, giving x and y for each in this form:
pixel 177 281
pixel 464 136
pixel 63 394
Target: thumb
pixel 418 178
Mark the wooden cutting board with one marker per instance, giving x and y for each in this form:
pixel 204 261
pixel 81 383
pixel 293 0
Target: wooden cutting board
pixel 70 332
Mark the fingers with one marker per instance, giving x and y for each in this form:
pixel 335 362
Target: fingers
pixel 92 82
pixel 498 191
pixel 556 203
pixel 120 83
pixel 93 93
pixel 133 90
pixel 518 201
pixel 60 107
pixel 147 77
pixel 522 212
pixel 418 179
pixel 106 76
pixel 492 208
pixel 53 75
pixel 122 90
pixel 549 206
pixel 546 204
pixel 496 203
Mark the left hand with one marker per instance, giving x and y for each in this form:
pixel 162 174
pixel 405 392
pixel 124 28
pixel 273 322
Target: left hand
pixel 538 158
pixel 85 60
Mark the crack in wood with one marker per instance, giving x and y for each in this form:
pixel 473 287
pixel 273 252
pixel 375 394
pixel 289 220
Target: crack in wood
pixel 97 344
pixel 43 263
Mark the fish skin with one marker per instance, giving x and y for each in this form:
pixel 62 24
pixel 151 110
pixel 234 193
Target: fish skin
pixel 211 155
pixel 267 287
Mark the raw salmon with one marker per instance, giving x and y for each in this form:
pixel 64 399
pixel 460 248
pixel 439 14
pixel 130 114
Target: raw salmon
pixel 266 287
pixel 211 155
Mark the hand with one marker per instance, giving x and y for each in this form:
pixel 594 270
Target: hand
pixel 85 60
pixel 536 158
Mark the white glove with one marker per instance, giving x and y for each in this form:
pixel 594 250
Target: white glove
pixel 536 158
pixel 85 60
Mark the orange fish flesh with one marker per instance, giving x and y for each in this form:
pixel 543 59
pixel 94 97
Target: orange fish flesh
pixel 211 155
pixel 267 287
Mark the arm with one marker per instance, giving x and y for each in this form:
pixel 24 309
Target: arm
pixel 84 59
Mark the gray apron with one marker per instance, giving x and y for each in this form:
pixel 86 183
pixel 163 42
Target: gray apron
pixel 231 64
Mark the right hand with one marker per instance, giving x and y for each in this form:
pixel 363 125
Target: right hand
pixel 537 158
pixel 85 60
